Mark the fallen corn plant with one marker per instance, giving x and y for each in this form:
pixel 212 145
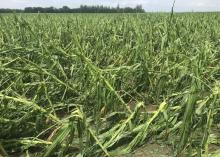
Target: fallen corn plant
pixel 103 85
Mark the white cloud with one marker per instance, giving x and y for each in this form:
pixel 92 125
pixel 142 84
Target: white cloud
pixel 149 5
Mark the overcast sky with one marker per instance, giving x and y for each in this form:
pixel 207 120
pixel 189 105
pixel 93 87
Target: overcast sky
pixel 148 5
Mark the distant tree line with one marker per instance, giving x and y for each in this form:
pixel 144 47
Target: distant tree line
pixel 81 9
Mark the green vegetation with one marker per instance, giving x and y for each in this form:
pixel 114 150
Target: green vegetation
pixel 104 84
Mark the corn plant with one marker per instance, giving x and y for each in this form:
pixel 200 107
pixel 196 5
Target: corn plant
pixel 82 84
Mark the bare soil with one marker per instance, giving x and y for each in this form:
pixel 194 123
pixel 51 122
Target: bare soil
pixel 151 150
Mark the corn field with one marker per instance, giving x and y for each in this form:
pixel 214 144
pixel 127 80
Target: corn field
pixel 90 85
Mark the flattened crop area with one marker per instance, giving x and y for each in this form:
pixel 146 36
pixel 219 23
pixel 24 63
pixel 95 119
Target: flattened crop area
pixel 110 84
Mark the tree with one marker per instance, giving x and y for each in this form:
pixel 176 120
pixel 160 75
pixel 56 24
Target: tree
pixel 81 9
